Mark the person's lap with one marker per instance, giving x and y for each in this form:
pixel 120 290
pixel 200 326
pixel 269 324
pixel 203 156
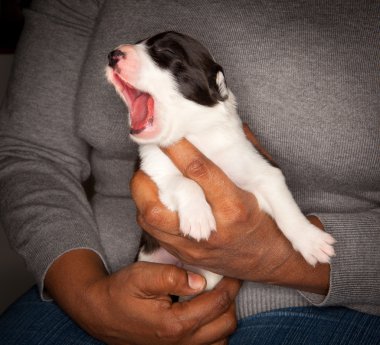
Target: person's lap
pixel 308 325
pixel 30 321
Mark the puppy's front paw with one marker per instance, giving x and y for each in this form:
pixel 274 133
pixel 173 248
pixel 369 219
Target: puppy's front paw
pixel 196 219
pixel 314 244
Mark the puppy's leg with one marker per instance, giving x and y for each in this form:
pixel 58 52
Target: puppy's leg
pixel 152 252
pixel 187 198
pixel 275 198
pixel 179 194
pixel 160 256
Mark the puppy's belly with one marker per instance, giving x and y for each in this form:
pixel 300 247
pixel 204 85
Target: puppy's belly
pixel 160 256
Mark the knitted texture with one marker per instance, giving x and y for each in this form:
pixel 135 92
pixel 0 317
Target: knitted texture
pixel 306 77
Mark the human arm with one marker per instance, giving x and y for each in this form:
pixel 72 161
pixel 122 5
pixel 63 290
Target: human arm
pixel 44 208
pixel 350 280
pixel 254 250
pixel 43 162
pixel 133 306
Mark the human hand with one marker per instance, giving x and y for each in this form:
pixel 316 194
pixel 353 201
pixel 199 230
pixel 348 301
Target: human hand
pixel 247 244
pixel 139 310
pixel 133 305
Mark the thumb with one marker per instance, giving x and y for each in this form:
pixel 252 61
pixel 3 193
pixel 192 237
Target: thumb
pixel 161 279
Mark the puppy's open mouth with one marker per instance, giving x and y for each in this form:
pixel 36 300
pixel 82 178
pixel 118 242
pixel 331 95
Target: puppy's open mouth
pixel 140 104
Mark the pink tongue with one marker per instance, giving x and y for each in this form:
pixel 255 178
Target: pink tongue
pixel 140 112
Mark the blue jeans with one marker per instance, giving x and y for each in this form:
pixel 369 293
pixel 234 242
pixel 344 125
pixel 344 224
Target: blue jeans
pixel 30 322
pixel 308 326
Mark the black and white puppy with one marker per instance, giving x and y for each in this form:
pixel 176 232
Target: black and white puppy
pixel 174 89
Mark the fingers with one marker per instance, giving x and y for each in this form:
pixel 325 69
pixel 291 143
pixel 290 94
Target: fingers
pixel 222 194
pixel 207 318
pixel 220 191
pixel 221 342
pixel 152 280
pixel 211 314
pixel 220 328
pixel 151 210
pixel 208 306
pixel 194 165
pixel 177 330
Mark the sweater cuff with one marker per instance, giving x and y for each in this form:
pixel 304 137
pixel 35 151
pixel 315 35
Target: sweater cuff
pixel 355 270
pixel 55 238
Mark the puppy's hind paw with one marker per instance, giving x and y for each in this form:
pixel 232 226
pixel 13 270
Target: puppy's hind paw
pixel 315 245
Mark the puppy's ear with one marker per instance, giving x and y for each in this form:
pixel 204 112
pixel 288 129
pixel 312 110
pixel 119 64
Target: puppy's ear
pixel 217 84
pixel 222 85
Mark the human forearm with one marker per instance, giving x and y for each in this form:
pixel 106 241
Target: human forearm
pixel 43 208
pixel 133 306
pixel 69 278
pixel 293 271
pixel 257 252
pixel 247 244
pixel 355 270
pixel 44 212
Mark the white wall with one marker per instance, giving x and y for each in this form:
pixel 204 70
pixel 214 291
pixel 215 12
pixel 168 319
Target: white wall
pixel 14 279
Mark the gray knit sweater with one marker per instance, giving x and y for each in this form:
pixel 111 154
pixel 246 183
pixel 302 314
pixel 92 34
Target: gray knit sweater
pixel 306 76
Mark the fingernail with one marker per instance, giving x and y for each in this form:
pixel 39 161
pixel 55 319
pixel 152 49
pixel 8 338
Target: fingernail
pixel 195 281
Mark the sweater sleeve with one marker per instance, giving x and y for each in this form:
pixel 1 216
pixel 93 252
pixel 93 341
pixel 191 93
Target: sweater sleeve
pixel 43 206
pixel 355 270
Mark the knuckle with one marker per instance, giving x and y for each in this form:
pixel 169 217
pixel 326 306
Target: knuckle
pixel 193 256
pixel 170 330
pixel 231 324
pixel 196 168
pixel 197 256
pixel 223 301
pixel 133 275
pixel 223 342
pixel 152 214
pixel 171 276
pixel 233 211
pixel 135 270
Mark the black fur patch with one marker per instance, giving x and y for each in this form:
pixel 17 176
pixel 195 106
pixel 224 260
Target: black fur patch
pixel 148 244
pixel 190 63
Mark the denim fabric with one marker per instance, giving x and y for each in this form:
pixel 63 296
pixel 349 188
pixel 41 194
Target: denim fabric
pixel 31 321
pixel 308 326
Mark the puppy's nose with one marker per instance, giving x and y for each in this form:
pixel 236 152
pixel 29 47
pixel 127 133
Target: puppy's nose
pixel 114 57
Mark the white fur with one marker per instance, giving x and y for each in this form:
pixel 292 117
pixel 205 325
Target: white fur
pixel 217 132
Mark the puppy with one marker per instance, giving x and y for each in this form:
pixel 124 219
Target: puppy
pixel 174 89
